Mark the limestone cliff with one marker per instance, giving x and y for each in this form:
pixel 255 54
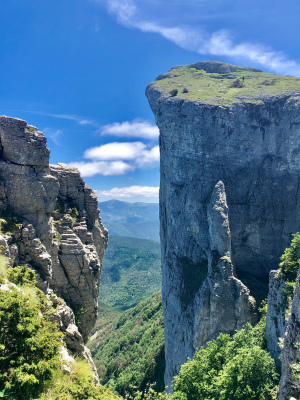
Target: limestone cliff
pixel 219 122
pixel 277 315
pixel 289 386
pixel 51 223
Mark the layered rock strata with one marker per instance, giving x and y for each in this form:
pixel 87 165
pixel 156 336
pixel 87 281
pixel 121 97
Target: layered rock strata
pixel 235 125
pixel 51 222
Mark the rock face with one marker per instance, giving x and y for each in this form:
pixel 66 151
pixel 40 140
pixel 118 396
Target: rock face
pixel 289 386
pixel 277 315
pixel 224 304
pixel 53 226
pixel 214 131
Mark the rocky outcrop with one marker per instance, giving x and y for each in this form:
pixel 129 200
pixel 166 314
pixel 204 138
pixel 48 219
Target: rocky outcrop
pixel 51 222
pixel 249 139
pixel 277 315
pixel 289 386
pixel 224 303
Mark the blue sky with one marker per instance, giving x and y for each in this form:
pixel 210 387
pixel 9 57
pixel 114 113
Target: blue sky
pixel 77 69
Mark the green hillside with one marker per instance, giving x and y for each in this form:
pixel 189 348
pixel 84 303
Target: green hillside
pixel 131 272
pixel 129 351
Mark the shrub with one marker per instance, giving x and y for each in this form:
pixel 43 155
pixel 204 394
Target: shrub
pixel 78 385
pixel 22 276
pixel 237 83
pixel 230 369
pixel 29 344
pixel 173 92
pixel 290 260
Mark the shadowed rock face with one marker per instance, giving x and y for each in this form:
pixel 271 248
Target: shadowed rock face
pixel 60 234
pixel 283 334
pixel 253 147
pixel 289 386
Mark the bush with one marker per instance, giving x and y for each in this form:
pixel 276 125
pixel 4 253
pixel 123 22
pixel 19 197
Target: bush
pixel 173 92
pixel 22 276
pixel 230 369
pixel 237 83
pixel 29 344
pixel 78 385
pixel 290 260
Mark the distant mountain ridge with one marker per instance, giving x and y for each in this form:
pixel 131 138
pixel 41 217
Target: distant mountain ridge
pixel 138 220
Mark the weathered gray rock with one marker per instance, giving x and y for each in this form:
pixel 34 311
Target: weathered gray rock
pixel 250 143
pixel 223 304
pixel 277 315
pixel 55 226
pixel 289 386
pixel 74 343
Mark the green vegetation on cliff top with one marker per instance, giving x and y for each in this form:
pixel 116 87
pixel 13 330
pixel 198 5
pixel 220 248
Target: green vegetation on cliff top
pixel 233 84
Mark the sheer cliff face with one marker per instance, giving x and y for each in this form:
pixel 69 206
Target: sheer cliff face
pixel 239 126
pixel 58 232
pixel 283 334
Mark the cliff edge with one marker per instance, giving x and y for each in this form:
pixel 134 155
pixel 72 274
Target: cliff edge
pixel 50 221
pixel 239 126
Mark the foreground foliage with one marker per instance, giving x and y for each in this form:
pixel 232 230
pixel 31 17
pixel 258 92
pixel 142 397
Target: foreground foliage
pixel 30 344
pixel 129 353
pixel 235 368
pixel 229 368
pixel 29 340
pixel 290 259
pixel 77 385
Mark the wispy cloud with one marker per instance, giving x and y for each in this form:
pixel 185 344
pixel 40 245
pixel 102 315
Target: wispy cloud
pixel 219 43
pixel 148 158
pixel 106 168
pixel 130 191
pixel 76 118
pixel 117 159
pixel 134 129
pixel 53 134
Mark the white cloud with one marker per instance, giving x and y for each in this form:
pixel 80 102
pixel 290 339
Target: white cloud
pixel 218 43
pixel 148 158
pixel 89 169
pixel 130 191
pixel 109 158
pixel 115 151
pixel 135 129
pixel 53 134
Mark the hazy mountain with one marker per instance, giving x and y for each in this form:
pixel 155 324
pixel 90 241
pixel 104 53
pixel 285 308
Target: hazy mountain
pixel 138 220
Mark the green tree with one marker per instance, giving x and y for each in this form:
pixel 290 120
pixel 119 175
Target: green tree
pixel 250 374
pixel 290 260
pixel 228 368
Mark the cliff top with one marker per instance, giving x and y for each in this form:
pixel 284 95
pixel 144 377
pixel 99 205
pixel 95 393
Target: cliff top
pixel 217 82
